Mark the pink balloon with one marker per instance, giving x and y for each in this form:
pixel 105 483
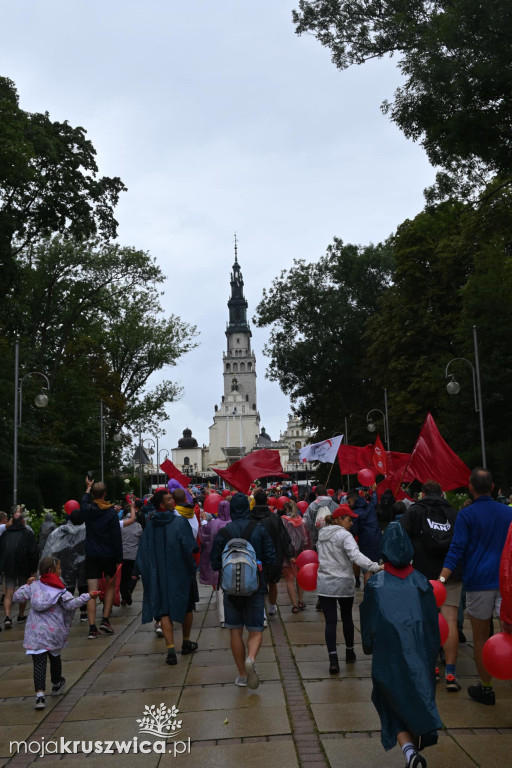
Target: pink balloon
pixel 497 656
pixel 211 503
pixel 305 557
pixel 302 506
pixel 439 591
pixel 443 629
pixel 366 476
pixel 70 505
pixel 307 577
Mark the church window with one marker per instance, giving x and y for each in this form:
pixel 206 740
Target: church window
pixel 249 366
pixel 298 444
pixel 228 367
pixel 226 409
pixel 242 366
pixel 235 367
pixel 238 341
pixel 186 461
pixel 243 408
pixel 297 433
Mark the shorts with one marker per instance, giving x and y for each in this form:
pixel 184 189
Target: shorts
pixel 453 593
pixel 484 604
pixel 13 582
pixel 245 611
pixel 97 566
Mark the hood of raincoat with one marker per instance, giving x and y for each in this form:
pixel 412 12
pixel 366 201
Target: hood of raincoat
pixel 239 506
pixel 162 517
pixel 329 532
pixel 223 511
pixel 396 546
pixel 42 596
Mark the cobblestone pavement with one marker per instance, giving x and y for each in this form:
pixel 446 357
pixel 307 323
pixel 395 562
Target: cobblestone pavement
pixel 299 717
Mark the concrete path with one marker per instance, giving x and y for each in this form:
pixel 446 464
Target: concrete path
pixel 299 717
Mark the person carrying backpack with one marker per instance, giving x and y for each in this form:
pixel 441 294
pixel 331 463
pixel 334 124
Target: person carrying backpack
pixel 295 527
pixel 253 544
pixel 430 522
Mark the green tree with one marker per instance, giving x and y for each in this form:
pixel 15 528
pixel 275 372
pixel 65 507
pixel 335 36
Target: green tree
pixel 455 58
pixel 317 314
pixel 48 182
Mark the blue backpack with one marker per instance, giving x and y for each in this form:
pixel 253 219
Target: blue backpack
pixel 239 574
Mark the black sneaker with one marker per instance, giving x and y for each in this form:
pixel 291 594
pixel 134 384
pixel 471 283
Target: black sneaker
pixel 350 656
pixel 334 665
pixel 21 619
pixel 416 761
pixel 93 633
pixel 58 687
pixel 83 616
pixel 129 600
pixel 7 622
pixel 40 701
pixel 188 647
pixel 481 694
pixel 106 627
pixel 452 684
pixel 171 657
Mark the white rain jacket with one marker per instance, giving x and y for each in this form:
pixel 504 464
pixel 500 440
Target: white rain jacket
pixel 337 551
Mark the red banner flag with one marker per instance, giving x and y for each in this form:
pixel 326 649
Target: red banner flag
pixel 257 464
pixel 379 457
pixel 433 459
pixel 173 472
pixel 351 458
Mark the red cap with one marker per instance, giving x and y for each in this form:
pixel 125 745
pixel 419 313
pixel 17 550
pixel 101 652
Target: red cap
pixel 342 511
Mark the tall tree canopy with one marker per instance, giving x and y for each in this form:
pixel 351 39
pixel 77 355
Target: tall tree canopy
pixel 317 314
pixel 48 182
pixel 455 56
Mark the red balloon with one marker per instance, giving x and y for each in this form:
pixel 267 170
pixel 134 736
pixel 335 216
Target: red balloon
pixel 271 501
pixel 211 503
pixel 305 557
pixel 497 656
pixel 307 577
pixel 225 493
pixel 70 505
pixel 443 629
pixel 439 591
pixel 278 503
pixel 302 506
pixel 366 476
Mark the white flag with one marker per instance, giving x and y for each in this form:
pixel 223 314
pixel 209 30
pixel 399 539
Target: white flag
pixel 326 451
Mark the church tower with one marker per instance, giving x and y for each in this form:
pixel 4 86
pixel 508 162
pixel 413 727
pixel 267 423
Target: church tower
pixel 236 421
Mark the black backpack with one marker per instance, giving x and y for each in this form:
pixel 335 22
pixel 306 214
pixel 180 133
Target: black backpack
pixel 436 530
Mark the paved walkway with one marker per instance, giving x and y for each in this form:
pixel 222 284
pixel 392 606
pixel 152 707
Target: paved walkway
pixel 300 717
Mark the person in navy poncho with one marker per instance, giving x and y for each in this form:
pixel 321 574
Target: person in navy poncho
pixel 399 625
pixel 166 563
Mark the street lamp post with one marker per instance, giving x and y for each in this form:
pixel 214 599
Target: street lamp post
pixel 162 450
pixel 41 401
pixel 150 452
pixel 371 424
pixel 453 388
pixel 116 437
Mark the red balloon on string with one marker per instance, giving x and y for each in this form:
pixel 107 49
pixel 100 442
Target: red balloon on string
pixel 302 506
pixel 211 503
pixel 225 493
pixel 497 656
pixel 443 629
pixel 439 591
pixel 366 476
pixel 70 505
pixel 305 557
pixel 278 503
pixel 307 577
pixel 271 501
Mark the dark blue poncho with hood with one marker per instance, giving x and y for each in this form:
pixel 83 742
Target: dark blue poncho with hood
pixel 399 625
pixel 168 569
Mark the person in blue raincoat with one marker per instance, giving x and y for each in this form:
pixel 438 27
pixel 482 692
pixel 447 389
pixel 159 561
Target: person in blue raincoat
pixel 165 561
pixel 399 625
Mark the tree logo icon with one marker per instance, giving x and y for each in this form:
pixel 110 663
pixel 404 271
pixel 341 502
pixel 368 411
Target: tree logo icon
pixel 160 721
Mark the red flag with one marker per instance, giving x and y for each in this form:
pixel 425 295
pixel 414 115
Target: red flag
pixel 351 458
pixel 253 466
pixel 173 472
pixel 433 459
pixel 379 457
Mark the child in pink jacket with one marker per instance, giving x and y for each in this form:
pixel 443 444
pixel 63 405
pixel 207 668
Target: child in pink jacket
pixel 48 624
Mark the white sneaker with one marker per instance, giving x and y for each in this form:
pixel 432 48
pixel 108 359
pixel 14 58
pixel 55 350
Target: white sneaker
pixel 159 631
pixel 253 680
pixel 241 682
pixel 272 610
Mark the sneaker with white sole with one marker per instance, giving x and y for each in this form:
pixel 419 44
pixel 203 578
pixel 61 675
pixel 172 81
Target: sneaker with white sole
pixel 452 684
pixel 241 682
pixel 40 701
pixel 106 627
pixel 58 688
pixel 272 610
pixel 253 680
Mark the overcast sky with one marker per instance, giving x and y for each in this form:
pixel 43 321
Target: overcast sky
pixel 218 118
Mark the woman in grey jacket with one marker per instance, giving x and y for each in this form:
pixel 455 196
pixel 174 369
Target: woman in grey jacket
pixel 337 552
